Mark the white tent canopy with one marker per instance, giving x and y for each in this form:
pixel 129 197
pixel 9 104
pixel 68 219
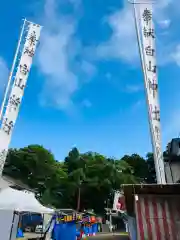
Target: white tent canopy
pixel 11 199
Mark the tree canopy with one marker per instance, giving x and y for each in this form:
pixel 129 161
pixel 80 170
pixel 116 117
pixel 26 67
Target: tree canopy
pixel 82 180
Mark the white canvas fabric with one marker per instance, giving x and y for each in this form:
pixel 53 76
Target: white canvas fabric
pixel 11 199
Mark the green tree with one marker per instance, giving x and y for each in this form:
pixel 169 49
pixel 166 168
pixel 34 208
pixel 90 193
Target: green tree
pixel 82 181
pixel 96 178
pixel 72 161
pixel 151 178
pixel 35 166
pixel 139 166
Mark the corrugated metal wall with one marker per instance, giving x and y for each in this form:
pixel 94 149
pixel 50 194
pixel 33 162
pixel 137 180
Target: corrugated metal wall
pixel 158 218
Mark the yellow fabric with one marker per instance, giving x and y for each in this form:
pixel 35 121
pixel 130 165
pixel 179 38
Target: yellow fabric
pixel 124 234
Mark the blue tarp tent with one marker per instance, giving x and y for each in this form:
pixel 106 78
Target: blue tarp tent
pixel 94 228
pixel 90 230
pixel 19 233
pixel 64 231
pixel 78 233
pixel 86 230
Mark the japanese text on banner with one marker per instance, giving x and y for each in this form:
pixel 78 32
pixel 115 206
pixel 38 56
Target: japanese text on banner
pixel 148 45
pixel 17 91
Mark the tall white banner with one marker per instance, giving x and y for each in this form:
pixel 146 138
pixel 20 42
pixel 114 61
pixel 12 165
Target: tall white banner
pixel 151 84
pixel 119 202
pixel 17 91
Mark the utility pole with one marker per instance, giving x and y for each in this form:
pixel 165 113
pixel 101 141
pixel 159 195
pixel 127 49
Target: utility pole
pixel 79 188
pixel 79 197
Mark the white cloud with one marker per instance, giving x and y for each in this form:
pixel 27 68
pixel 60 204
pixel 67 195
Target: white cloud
pixel 76 3
pixel 176 55
pixel 134 88
pixel 163 3
pixel 88 68
pixel 59 48
pixel 56 58
pixel 137 105
pixel 52 59
pixel 165 23
pixel 171 127
pixel 123 42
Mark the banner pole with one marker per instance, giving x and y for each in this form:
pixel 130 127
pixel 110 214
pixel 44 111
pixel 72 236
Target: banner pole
pixel 12 70
pixel 159 174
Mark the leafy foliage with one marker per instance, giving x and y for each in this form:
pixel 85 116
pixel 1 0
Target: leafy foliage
pixel 89 177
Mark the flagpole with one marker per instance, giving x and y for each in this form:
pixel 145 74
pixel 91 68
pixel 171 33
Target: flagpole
pixel 24 64
pixel 142 60
pixel 12 69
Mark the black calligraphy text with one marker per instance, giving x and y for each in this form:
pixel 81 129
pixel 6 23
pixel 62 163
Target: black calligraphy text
pixel 32 39
pixel 14 101
pixel 29 51
pixel 149 51
pixel 7 126
pixel 149 32
pixel 24 69
pixel 151 68
pixel 156 114
pixel 147 16
pixel 19 83
pixel 153 86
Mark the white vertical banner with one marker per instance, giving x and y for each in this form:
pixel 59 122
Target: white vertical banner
pixel 147 35
pixel 119 202
pixel 116 198
pixel 17 90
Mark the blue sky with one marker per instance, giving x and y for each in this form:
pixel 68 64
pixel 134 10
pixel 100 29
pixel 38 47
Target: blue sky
pixel 86 88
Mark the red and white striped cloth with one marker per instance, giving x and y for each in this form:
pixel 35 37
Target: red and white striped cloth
pixel 158 218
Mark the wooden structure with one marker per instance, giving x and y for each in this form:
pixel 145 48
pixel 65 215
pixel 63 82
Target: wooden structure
pixel 155 209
